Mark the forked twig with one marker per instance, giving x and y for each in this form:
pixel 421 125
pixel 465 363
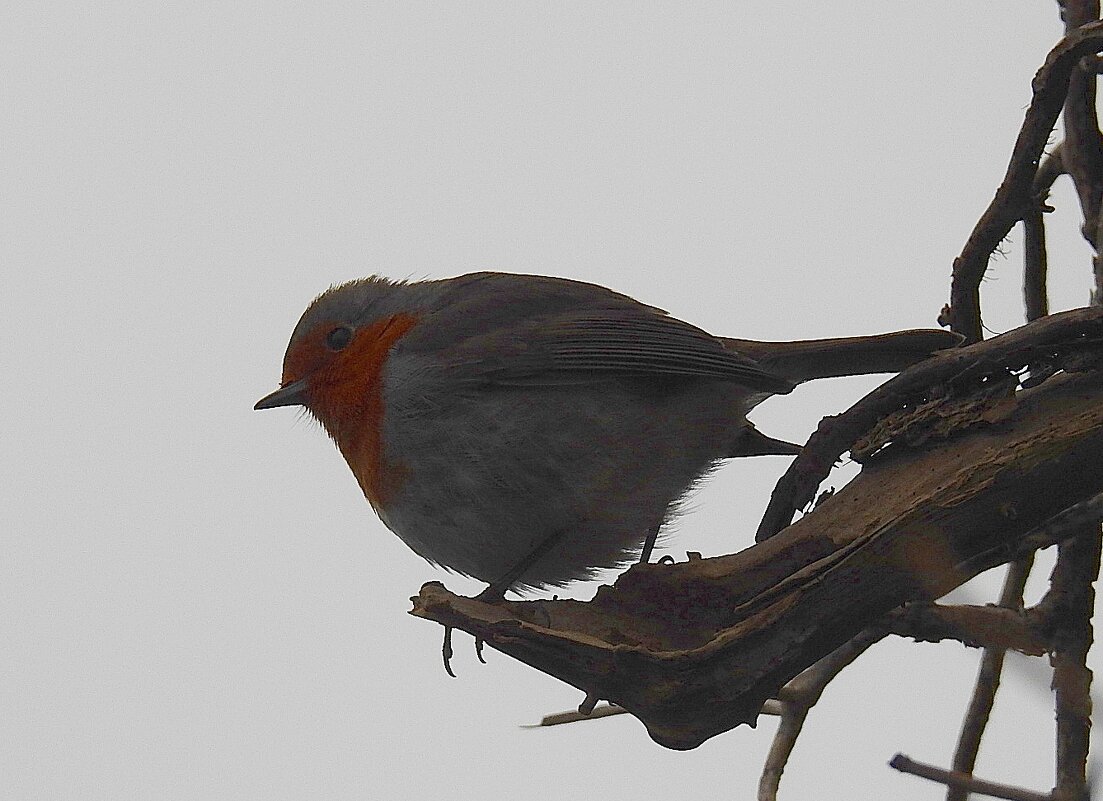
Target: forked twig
pixel 967 783
pixel 836 435
pixel 988 682
pixel 1014 196
pixel 1071 603
pixel 798 697
pixel 771 707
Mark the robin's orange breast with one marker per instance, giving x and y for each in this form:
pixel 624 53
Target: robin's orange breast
pixel 347 397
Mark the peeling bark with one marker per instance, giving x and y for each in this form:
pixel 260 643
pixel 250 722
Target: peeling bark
pixel 694 649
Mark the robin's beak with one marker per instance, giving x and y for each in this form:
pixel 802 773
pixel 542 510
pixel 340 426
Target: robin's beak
pixel 294 394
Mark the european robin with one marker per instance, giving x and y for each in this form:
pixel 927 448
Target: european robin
pixel 528 431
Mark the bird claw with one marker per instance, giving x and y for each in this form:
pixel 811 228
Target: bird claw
pixel 446 651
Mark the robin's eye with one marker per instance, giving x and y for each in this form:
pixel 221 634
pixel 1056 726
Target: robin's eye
pixel 339 338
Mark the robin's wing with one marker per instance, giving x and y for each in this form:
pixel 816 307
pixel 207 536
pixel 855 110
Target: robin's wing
pixel 599 345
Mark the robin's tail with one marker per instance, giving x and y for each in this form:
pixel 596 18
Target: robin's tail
pixel 804 360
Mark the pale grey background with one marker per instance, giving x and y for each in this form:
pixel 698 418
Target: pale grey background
pixel 196 601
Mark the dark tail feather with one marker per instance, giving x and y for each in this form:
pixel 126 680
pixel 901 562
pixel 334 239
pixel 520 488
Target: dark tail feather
pixel 822 358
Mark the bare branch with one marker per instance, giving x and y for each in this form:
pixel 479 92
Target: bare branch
pixel 1035 259
pixel 574 716
pixel 772 708
pixel 1072 600
pixel 835 435
pixel 974 626
pixel 1035 263
pixel 1083 146
pixel 1013 198
pixel 798 697
pixel 988 682
pixel 964 781
pixel 693 649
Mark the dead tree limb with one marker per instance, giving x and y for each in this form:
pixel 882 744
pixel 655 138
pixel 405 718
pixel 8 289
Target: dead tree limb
pixel 694 649
pixel 836 435
pixel 1082 154
pixel 988 681
pixel 1035 262
pixel 1014 197
pixel 972 626
pixel 963 781
pixel 1070 604
pixel 797 699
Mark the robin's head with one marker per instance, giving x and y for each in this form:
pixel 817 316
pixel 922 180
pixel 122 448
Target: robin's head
pixel 339 345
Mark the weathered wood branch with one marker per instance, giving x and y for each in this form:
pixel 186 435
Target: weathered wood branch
pixel 965 781
pixel 1013 198
pixel 694 649
pixel 1048 340
pixel 989 673
pixel 992 627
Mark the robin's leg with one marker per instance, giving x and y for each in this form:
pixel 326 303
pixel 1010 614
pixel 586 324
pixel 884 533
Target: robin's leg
pixel 497 589
pixel 649 545
pixel 496 592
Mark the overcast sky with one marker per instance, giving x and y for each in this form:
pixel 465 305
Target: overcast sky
pixel 196 600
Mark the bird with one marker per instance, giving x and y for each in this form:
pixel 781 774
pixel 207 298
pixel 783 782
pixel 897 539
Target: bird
pixel 530 431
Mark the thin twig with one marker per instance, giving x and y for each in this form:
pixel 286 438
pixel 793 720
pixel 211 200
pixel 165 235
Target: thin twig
pixel 1083 156
pixel 1072 596
pixel 1083 145
pixel 988 682
pixel 772 707
pixel 1035 258
pixel 799 696
pixel 1073 604
pixel 1035 262
pixel 574 716
pixel 1071 599
pixel 969 783
pixel 972 626
pixel 837 434
pixel 1013 197
pixel 1051 168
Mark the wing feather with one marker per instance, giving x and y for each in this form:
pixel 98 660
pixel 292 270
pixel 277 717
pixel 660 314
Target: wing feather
pixel 584 347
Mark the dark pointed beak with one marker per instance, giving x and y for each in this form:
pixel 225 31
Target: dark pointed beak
pixel 294 394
